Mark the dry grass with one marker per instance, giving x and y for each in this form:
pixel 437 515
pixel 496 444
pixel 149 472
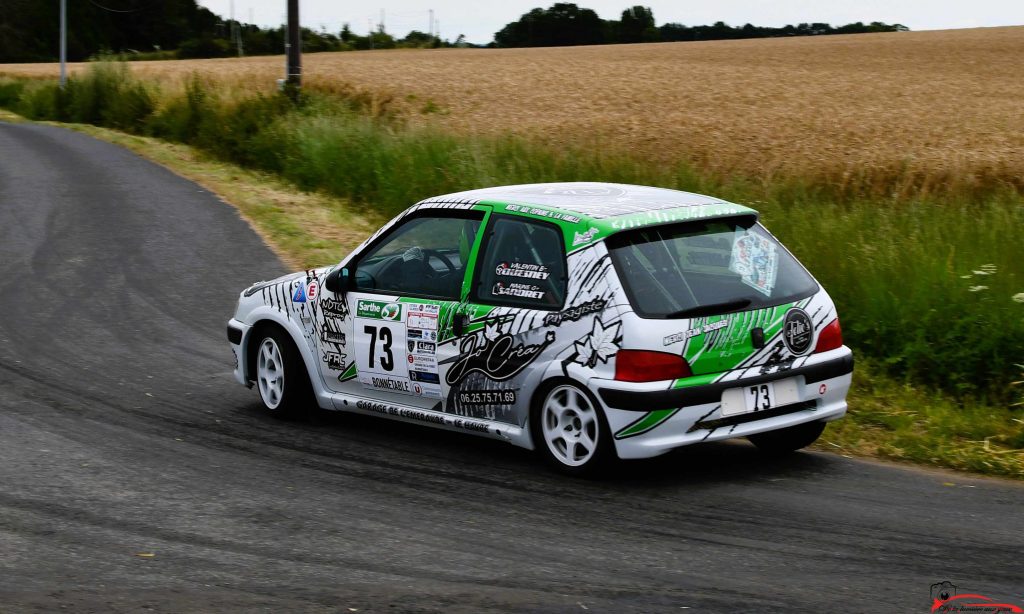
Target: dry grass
pixel 901 112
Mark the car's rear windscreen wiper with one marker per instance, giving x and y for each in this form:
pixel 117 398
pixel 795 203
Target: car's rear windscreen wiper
pixel 712 309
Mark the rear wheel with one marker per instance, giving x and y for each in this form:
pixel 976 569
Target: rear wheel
pixel 570 431
pixel 787 440
pixel 280 374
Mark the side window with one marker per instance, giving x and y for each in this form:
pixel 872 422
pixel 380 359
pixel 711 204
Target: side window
pixel 425 256
pixel 522 265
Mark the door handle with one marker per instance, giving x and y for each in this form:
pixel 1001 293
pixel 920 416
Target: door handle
pixel 459 323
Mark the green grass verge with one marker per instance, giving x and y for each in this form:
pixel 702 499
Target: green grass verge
pixel 888 418
pixel 902 422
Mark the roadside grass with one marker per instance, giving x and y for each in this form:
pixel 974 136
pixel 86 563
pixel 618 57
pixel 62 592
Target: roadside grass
pixel 888 419
pixel 910 423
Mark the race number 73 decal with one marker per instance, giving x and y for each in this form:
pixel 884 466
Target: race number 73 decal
pixel 380 332
pixel 383 333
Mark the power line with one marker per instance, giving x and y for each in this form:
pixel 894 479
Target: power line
pixel 107 8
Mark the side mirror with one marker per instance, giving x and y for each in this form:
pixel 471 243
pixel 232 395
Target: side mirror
pixel 337 280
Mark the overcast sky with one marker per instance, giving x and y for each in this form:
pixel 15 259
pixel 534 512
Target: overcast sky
pixel 479 20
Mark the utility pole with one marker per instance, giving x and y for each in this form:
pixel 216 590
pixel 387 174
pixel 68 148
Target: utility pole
pixel 63 43
pixel 236 30
pixel 293 46
pixel 431 23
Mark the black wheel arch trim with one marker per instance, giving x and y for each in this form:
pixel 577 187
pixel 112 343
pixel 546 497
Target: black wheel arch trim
pixel 711 393
pixel 234 334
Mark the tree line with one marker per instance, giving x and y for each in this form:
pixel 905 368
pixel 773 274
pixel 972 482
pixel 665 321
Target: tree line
pixel 167 29
pixel 163 29
pixel 568 24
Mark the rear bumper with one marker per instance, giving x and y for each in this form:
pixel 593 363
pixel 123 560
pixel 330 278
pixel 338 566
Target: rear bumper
pixel 650 400
pixel 648 419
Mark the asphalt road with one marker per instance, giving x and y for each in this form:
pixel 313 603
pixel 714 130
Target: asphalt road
pixel 122 434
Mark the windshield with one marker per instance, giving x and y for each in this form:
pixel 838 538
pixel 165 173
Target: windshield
pixel 706 268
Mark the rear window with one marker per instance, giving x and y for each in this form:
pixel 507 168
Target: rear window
pixel 706 268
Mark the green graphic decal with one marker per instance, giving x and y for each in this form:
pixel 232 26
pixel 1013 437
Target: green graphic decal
pixel 646 423
pixel 716 345
pixel 696 380
pixel 582 231
pixel 349 373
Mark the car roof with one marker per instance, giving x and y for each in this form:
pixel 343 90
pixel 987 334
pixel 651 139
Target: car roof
pixel 592 200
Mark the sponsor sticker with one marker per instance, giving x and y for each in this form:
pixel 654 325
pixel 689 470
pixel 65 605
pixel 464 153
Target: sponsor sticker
pixel 494 354
pixel 329 335
pixel 425 376
pixel 378 310
pixel 756 260
pixel 693 332
pixel 334 307
pixel 579 238
pixel 380 382
pixel 299 296
pixel 797 331
pixel 335 361
pixel 422 316
pixel 575 312
pixel 487 397
pixel 312 289
pixel 555 215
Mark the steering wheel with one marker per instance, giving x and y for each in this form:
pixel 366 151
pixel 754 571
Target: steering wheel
pixel 429 270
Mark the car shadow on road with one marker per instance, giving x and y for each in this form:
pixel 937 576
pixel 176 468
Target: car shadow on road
pixel 708 463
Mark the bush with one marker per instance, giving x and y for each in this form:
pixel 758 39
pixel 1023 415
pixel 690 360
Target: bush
pixel 10 92
pixel 180 118
pixel 206 47
pixel 42 101
pixel 130 108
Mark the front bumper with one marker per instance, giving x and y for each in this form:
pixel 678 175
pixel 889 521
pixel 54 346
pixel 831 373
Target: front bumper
pixel 237 333
pixel 650 419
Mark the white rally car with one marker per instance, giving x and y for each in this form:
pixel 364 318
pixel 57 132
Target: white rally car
pixel 585 320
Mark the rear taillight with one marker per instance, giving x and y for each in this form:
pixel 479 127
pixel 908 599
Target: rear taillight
pixel 644 366
pixel 830 337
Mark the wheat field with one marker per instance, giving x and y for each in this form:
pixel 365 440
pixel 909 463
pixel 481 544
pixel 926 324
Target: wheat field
pixel 914 111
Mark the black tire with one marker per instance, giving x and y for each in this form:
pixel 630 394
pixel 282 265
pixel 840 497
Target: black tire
pixel 291 396
pixel 788 440
pixel 557 454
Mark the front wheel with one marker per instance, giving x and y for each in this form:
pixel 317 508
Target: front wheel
pixel 280 375
pixel 787 440
pixel 570 431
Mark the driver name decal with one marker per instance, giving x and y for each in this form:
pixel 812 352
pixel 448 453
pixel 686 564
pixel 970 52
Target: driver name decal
pixel 517 290
pixel 519 269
